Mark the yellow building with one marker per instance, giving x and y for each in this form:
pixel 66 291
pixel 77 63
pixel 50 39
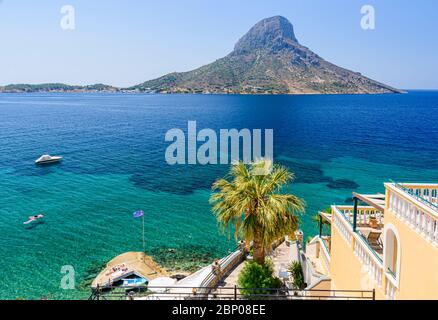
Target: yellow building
pixel 386 243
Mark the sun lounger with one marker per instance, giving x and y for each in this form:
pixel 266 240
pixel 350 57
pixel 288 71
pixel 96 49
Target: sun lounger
pixel 374 240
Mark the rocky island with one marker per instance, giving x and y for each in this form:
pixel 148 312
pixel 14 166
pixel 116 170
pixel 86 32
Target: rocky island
pixel 268 60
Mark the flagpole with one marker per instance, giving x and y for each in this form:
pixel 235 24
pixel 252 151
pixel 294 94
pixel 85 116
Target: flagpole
pixel 142 220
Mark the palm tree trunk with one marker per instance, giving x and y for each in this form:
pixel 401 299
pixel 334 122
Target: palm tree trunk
pixel 259 250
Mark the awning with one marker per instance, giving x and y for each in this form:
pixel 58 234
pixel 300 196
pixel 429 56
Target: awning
pixel 375 200
pixel 326 216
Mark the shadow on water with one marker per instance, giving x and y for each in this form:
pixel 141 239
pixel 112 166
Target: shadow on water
pixel 49 164
pixel 33 225
pixel 26 169
pixel 313 173
pixel 47 167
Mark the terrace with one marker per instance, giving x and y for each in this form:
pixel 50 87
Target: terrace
pixel 377 247
pixel 361 228
pixel 367 221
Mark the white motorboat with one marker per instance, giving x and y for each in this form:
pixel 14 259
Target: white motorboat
pixel 44 159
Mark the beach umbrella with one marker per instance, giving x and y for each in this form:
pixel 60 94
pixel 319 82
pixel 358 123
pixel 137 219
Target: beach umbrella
pixel 140 214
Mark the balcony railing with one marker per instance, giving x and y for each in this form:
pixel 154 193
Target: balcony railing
pixel 362 250
pixel 390 290
pixel 369 258
pixel 227 293
pixel 343 224
pixel 425 193
pixel 324 253
pixel 416 211
pixel 364 214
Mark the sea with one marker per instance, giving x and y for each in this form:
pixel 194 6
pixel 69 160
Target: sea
pixel 114 164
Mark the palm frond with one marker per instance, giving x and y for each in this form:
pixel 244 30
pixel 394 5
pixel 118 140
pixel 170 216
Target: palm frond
pixel 254 203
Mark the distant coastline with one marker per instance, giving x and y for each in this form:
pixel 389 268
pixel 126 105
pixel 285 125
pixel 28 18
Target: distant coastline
pixel 103 88
pixel 56 87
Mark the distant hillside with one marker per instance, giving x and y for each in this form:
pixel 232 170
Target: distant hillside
pixel 268 59
pixel 56 87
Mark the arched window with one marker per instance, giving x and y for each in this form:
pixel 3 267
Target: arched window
pixel 391 258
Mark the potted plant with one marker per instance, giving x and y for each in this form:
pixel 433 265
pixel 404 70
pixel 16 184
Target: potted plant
pixel 373 222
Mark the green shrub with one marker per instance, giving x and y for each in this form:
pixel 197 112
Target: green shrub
pixel 254 275
pixel 297 274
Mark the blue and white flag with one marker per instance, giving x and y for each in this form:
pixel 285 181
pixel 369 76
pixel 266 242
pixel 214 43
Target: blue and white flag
pixel 138 214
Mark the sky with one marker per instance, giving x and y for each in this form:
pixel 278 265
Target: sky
pixel 126 42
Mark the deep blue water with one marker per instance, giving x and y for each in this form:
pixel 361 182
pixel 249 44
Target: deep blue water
pixel 114 147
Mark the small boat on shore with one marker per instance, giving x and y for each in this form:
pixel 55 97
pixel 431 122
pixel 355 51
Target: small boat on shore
pixel 134 282
pixel 45 159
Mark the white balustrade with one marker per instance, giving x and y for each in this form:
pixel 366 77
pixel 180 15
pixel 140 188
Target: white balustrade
pixel 406 208
pixel 364 213
pixel 427 192
pixel 373 265
pixel 342 225
pixel 324 253
pixel 390 290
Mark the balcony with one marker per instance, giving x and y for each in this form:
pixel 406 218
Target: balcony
pixel 368 223
pixel 417 206
pixel 369 253
pixel 371 227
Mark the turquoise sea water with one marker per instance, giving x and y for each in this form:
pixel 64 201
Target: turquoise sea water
pixel 114 164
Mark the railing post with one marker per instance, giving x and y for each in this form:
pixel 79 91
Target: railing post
pixel 320 226
pixel 374 294
pixel 355 214
pixel 235 292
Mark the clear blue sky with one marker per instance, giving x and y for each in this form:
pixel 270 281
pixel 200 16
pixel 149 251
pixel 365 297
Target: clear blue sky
pixel 125 42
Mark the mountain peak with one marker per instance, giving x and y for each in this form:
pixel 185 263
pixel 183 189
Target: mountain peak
pixel 271 32
pixel 268 59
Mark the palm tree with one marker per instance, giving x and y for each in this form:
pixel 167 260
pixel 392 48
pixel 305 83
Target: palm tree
pixel 249 198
